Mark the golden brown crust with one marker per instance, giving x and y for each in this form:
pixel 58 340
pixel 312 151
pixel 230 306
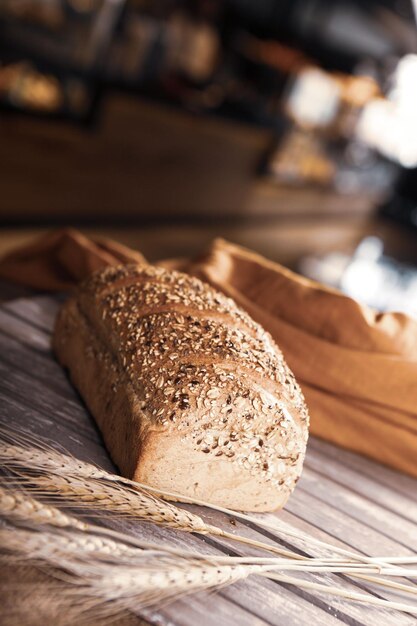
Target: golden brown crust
pixel 207 386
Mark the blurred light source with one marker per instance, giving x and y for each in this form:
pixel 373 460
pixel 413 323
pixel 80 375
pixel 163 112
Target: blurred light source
pixel 314 98
pixel 390 125
pixel 415 8
pixel 368 276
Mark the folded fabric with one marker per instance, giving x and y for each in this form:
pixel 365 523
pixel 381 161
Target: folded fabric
pixel 59 260
pixel 357 367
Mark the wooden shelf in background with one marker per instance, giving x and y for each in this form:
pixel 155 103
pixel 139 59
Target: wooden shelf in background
pixel 143 161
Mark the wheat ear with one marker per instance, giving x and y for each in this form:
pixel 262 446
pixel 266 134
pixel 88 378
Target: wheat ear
pixel 13 455
pixel 131 500
pixel 91 494
pixel 71 487
pixel 72 474
pixel 157 578
pixel 18 506
pixel 72 543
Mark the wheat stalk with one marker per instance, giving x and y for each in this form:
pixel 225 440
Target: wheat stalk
pixel 112 549
pixel 135 504
pixel 149 506
pixel 63 464
pixel 78 480
pixel 104 547
pixel 157 577
pixel 20 507
pixel 336 591
pixel 278 526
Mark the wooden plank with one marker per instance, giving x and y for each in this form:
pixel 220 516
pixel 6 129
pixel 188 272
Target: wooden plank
pixel 358 508
pixel 39 366
pixel 359 484
pixel 94 453
pixel 379 474
pixel 17 390
pixel 38 409
pixel 198 609
pixel 62 415
pixel 39 311
pixel 344 527
pixel 24 332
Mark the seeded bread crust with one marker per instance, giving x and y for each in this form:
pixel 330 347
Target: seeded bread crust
pixel 191 395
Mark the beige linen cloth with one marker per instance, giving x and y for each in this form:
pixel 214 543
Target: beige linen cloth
pixel 357 367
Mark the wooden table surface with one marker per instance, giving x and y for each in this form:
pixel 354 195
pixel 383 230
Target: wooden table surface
pixel 341 498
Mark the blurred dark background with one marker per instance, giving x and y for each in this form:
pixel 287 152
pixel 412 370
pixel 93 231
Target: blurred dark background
pixel 288 126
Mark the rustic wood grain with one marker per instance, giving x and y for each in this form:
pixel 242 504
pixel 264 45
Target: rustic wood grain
pixel 341 498
pixel 398 483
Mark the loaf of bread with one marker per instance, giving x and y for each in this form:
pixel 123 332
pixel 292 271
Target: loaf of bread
pixel 190 394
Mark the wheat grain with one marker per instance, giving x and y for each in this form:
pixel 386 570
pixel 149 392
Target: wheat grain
pixel 20 507
pixel 13 455
pixel 150 507
pixel 157 578
pixel 73 479
pixel 108 497
pixel 64 544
